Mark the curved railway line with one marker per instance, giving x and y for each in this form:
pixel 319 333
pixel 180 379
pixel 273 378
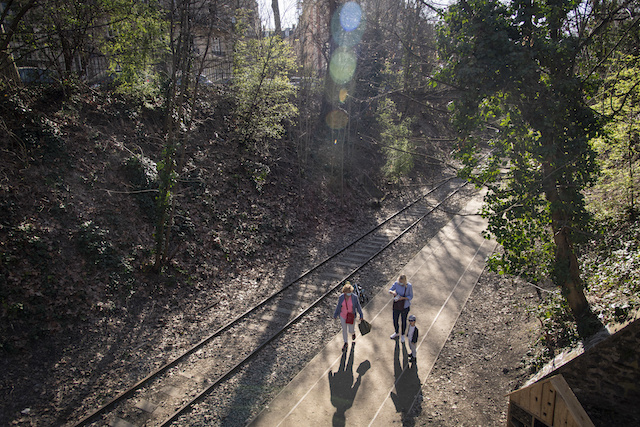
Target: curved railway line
pixel 171 391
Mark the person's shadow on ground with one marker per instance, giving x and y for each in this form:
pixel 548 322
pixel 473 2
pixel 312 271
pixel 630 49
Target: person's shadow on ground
pixel 343 389
pixel 407 383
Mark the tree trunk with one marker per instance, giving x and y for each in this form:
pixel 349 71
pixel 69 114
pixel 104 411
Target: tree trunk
pixel 276 16
pixel 8 68
pixel 567 268
pixel 7 65
pixel 567 261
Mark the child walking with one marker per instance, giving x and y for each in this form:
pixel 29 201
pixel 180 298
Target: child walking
pixel 412 336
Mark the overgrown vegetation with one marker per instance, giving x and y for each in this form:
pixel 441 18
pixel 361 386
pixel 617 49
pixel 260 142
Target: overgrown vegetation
pixel 558 330
pixel 526 71
pixel 611 266
pixel 137 40
pixel 610 263
pixel 264 94
pixel 619 146
pixel 158 166
pixel 395 137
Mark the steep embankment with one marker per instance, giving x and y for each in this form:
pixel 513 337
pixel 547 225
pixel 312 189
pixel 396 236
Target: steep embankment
pixel 78 289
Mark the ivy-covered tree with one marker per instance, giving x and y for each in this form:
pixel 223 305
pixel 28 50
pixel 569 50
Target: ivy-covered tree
pixel 186 18
pixel 517 67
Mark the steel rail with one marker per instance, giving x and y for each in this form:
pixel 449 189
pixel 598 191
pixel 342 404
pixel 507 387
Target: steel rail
pixel 222 378
pixel 195 347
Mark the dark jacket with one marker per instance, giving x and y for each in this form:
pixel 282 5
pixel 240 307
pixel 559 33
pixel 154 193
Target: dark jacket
pixel 414 338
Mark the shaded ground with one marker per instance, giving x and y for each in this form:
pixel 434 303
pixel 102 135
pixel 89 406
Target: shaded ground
pixel 83 314
pixel 484 358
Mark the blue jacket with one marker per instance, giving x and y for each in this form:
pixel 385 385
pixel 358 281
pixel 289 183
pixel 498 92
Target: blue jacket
pixel 404 291
pixel 355 302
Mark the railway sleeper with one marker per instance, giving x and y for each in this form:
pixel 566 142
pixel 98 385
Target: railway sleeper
pixel 370 246
pixel 332 275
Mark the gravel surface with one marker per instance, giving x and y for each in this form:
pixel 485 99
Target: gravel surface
pixel 484 358
pixel 74 374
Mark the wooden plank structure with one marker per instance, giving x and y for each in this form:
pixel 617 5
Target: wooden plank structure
pixel 598 384
pixel 549 402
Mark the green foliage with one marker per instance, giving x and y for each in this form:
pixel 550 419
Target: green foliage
pixel 167 178
pixel 611 266
pixel 558 330
pixel 26 257
pixel 513 64
pixel 258 172
pixel 263 92
pixel 36 139
pixel 143 177
pixel 64 37
pixel 95 244
pixel 135 42
pixel 395 137
pixel 11 310
pixel 619 147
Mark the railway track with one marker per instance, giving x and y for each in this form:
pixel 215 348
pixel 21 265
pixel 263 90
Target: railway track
pixel 173 390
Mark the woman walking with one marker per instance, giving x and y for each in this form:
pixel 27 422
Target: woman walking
pixel 402 292
pixel 347 306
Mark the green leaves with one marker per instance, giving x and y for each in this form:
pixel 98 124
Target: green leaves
pixel 515 65
pixel 263 91
pixel 612 270
pixel 137 35
pixel 618 147
pixel 395 136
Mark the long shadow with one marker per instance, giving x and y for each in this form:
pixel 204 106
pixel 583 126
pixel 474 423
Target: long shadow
pixel 343 388
pixel 245 398
pixel 253 382
pixel 408 394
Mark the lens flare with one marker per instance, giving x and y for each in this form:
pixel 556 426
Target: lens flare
pixel 350 15
pixel 342 66
pixel 342 96
pixel 337 119
pixel 347 28
pixel 347 25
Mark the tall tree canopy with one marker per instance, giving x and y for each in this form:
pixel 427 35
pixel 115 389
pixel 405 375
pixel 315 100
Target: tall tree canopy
pixel 517 65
